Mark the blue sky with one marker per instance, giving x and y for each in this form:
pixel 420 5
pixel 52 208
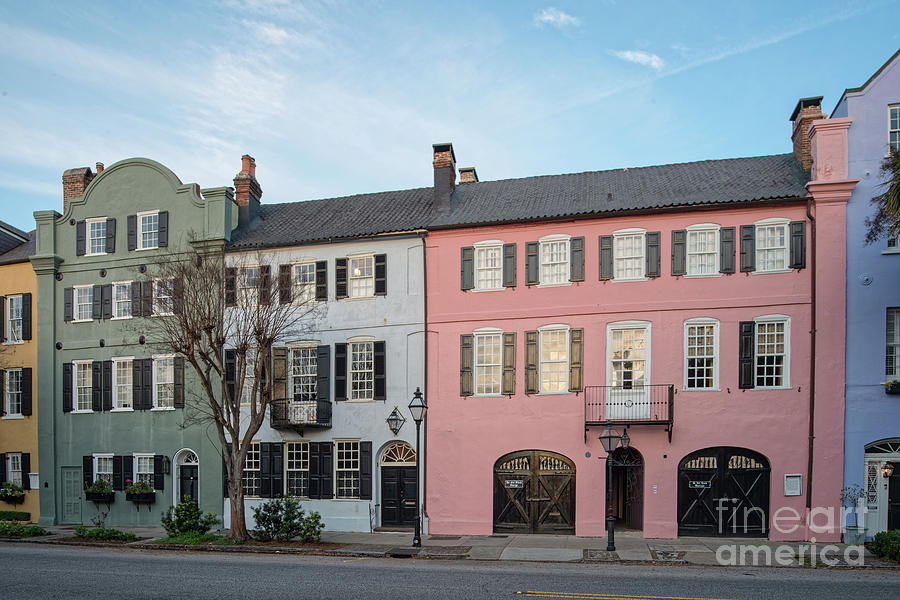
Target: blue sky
pixel 336 98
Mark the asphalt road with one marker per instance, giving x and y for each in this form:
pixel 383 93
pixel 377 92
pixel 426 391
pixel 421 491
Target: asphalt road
pixel 47 572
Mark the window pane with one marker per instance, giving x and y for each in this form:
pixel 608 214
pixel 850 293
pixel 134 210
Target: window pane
pixel 555 262
pixel 297 480
pixel 702 251
pixel 362 276
pixel 165 382
pixel 123 378
pixel 305 282
pixel 251 479
pixel 122 300
pixel 149 231
pixel 14 318
pixel 628 358
pixel 362 371
pixel 83 380
pixel 770 354
pixel 347 470
pixel 97 235
pixel 488 268
pixel 84 297
pixel 700 356
pixel 487 363
pixel 892 354
pixel 771 247
pixel 628 251
pixel 14 392
pixel 554 360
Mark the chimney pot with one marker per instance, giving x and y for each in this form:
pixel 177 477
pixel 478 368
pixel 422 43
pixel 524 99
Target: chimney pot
pixel 467 175
pixel 806 111
pixel 247 191
pixel 99 168
pixel 248 165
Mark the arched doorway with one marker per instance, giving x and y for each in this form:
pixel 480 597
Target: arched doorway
pixel 882 493
pixel 628 488
pixel 186 478
pixel 534 492
pixel 398 485
pixel 723 491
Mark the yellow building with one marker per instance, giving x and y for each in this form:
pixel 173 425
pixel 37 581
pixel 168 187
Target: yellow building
pixel 18 373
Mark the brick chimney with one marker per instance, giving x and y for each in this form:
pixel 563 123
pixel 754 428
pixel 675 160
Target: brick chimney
pixel 75 181
pixel 806 111
pixel 247 191
pixel 467 175
pixel 444 174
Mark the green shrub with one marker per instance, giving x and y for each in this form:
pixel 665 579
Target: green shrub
pixel 282 519
pixel 104 534
pixel 14 515
pixel 189 538
pixel 99 486
pixel 186 517
pixel 19 530
pixel 886 545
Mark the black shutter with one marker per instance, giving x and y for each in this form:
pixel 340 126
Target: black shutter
pixel 137 371
pixel 96 386
pixel 87 470
pixel 746 358
pixel 365 470
pixel 798 244
pixel 26 316
pixel 97 302
pixel 107 385
pixel 340 372
pixel 26 469
pixel 68 304
pixel 80 238
pixel 380 368
pixel 466 361
pixel 106 298
pixel 280 378
pixel 726 250
pixel 230 286
pixel 314 465
pixel 576 360
pixel 679 252
pixel 265 284
pixel 118 483
pixel 110 236
pixel 2 468
pixel 606 257
pixel 67 387
pixel 132 232
pixel 326 470
pixel 276 469
pixel 147 298
pixel 322 280
pixel 381 274
pixel 509 265
pixel 652 240
pixel 531 362
pixel 159 472
pixel 26 391
pixel 340 278
pixel 128 469
pixel 178 401
pixel 231 374
pixel 323 383
pixel 748 248
pixel 2 393
pixel 531 263
pixel 284 284
pixel 265 470
pixel 467 268
pixel 2 319
pixel 508 383
pixel 163 229
pixel 147 380
pixel 576 259
pixel 136 306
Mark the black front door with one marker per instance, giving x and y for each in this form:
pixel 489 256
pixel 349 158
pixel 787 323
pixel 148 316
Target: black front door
pixel 893 521
pixel 188 481
pixel 628 487
pixel 398 496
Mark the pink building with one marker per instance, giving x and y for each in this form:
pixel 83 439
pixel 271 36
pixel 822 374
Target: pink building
pixel 673 302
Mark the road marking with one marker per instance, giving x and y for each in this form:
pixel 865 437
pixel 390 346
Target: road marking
pixel 605 596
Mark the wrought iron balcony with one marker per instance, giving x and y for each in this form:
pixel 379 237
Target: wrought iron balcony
pixel 638 405
pixel 299 414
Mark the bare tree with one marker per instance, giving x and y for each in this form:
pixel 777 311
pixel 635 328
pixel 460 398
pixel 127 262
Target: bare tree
pixel 226 317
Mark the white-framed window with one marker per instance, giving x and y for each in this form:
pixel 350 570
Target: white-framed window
pixel 629 354
pixel 148 230
pixel 892 349
pixel 121 300
pixel 772 245
pixel 488 365
pixel 489 265
pixel 701 352
pixel 164 381
pixel 83 375
pixel 249 376
pixel 772 339
pixel 14 468
pixel 84 302
pixel 296 480
pixel 554 259
pixel 96 234
pixel 249 284
pixel 13 392
pixel 554 358
pixel 14 319
pixel 303 373
pixel 346 469
pixel 103 468
pixel 304 282
pixel 252 470
pixel 122 383
pixel 628 254
pixel 362 369
pixel 162 297
pixel 893 243
pixel 143 468
pixel 894 126
pixel 702 250
pixel 361 273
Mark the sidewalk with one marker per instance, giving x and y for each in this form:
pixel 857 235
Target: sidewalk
pixel 631 547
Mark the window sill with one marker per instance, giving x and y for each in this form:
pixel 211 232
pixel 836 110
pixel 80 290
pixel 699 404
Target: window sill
pixel 81 320
pixel 162 409
pixel 499 289
pixel 710 276
pixel 359 400
pixel 347 499
pixel 489 395
pixel 891 251
pixel 121 318
pixel 775 271
pixel 687 389
pixel 769 389
pixel 13 342
pixel 166 314
pixel 95 254
pixel 615 280
pixel 14 417
pixel 121 410
pixel 554 393
pixel 147 248
pixel 553 285
pixel 351 298
pixel 81 412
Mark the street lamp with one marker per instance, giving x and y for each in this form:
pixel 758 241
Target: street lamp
pixel 610 439
pixel 417 408
pixel 887 470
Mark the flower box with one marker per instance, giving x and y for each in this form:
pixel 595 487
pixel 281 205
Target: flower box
pixel 141 497
pixel 13 498
pixel 101 497
pixel 892 390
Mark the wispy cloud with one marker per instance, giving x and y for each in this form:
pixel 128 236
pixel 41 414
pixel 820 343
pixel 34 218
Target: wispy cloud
pixel 556 18
pixel 640 57
pixel 268 32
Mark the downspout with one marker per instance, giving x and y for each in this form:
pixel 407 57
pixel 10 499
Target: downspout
pixel 812 356
pixel 425 381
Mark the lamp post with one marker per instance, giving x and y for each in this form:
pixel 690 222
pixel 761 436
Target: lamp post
pixel 610 439
pixel 417 408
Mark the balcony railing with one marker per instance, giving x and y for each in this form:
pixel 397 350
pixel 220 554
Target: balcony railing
pixel 297 414
pixel 639 405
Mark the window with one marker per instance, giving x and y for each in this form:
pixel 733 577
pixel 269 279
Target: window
pixel 305 282
pixel 554 359
pixel 13 392
pixel 362 370
pixel 771 245
pixel 702 250
pixel 894 127
pixel 250 283
pixel 628 253
pixel 163 381
pixel 14 468
pixel 148 230
pixel 162 297
pixel 103 468
pixel 362 276
pixel 84 301
pixel 303 374
pixel 122 378
pixel 347 469
pixel 297 467
pixel 96 243
pixel 771 353
pixel 701 342
pixel 554 260
pixel 83 383
pixel 488 368
pixel 252 474
pixel 628 356
pixel 13 319
pixel 249 372
pixel 892 353
pixel 143 469
pixel 122 300
pixel 893 243
pixel 488 265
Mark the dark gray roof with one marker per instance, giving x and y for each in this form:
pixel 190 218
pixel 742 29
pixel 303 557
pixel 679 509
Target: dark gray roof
pixel 10 237
pixel 21 252
pixel 621 190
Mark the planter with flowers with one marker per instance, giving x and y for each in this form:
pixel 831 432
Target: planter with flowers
pixel 12 493
pixel 139 492
pixel 892 386
pixel 100 491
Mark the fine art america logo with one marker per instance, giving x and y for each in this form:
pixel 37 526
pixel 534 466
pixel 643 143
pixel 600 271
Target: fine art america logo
pixel 787 521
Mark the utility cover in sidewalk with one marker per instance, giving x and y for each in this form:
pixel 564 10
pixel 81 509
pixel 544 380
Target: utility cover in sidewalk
pixel 669 555
pixel 593 554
